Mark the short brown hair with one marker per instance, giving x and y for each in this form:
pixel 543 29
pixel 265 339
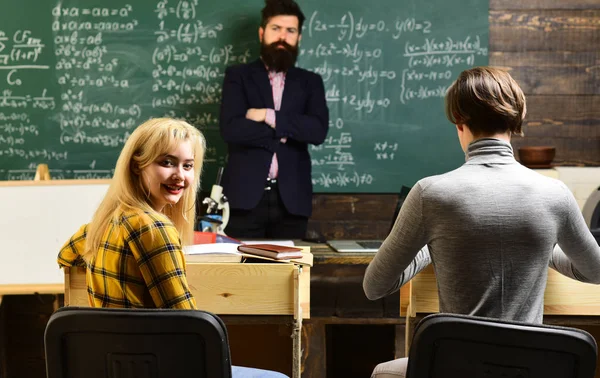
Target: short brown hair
pixel 486 99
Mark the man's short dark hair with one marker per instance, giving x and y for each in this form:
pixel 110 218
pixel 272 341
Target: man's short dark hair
pixel 281 8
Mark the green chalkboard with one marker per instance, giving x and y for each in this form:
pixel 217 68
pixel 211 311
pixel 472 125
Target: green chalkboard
pixel 76 77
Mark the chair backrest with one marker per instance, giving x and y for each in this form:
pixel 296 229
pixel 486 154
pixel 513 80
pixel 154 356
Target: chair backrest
pixel 451 346
pixel 122 343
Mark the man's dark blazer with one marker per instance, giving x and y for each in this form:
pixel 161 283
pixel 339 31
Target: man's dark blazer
pixel 303 119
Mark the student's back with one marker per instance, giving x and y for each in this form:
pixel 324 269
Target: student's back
pixel 491 227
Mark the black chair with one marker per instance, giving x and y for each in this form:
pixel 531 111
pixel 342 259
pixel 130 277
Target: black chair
pixel 455 346
pixel 121 343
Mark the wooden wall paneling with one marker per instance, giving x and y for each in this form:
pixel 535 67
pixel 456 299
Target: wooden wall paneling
pixel 571 123
pixel 557 115
pixel 552 73
pixel 352 216
pixel 551 47
pixel 545 4
pixel 347 206
pixel 544 30
pixel 561 130
pixel 356 228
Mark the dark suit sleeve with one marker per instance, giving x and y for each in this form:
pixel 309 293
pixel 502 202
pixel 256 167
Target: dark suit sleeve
pixel 311 126
pixel 234 126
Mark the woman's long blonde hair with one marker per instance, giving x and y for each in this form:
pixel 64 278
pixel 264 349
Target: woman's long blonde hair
pixel 153 138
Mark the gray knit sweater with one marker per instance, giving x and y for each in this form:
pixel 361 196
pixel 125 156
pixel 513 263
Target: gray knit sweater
pixel 491 228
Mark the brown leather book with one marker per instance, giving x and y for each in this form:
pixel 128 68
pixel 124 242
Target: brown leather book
pixel 276 252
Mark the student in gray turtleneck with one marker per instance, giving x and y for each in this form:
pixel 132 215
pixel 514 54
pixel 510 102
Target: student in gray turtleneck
pixel 492 227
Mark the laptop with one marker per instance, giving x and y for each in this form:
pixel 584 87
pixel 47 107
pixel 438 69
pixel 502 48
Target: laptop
pixel 366 246
pixel 355 245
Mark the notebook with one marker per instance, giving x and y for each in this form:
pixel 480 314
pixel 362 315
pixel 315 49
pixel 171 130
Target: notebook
pixel 274 251
pixel 366 246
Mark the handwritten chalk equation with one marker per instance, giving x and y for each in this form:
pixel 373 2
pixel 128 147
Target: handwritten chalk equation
pixel 224 55
pixel 10 99
pixel 353 51
pixel 82 137
pixel 28 154
pixel 350 27
pixel 342 179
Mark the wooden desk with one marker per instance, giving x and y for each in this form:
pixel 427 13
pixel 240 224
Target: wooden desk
pixel 324 254
pixel 281 289
pixel 21 289
pixel 27 289
pixel 567 302
pixel 564 297
pixel 347 334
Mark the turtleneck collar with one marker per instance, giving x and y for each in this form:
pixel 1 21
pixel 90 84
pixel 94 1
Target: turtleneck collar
pixel 489 151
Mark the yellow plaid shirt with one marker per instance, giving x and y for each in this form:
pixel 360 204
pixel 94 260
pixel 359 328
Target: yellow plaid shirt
pixel 140 263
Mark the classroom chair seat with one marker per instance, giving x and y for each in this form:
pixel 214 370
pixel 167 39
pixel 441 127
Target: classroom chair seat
pixel 124 343
pixel 453 346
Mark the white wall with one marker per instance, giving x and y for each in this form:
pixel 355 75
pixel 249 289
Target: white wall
pixel 36 219
pixel 582 181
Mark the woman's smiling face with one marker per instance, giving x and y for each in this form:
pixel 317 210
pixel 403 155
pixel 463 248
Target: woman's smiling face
pixel 169 175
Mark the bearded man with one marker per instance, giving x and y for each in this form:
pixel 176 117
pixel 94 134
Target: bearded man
pixel 270 112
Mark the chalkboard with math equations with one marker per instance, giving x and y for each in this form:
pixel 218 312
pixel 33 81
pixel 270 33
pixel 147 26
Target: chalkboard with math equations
pixel 76 77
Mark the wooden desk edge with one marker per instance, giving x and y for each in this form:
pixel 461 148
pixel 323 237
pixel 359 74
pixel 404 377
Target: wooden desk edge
pixel 412 300
pixel 301 284
pixel 22 289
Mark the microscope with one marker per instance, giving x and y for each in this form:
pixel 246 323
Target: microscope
pixel 217 209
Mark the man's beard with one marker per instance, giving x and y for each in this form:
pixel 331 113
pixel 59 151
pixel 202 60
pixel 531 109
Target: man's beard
pixel 279 59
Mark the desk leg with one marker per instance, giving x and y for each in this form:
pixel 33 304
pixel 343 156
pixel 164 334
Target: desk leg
pixel 55 303
pixel 400 340
pixel 407 335
pixel 410 314
pixel 297 349
pixel 314 356
pixel 297 327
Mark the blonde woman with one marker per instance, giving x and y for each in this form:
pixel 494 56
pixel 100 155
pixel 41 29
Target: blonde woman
pixel 132 248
